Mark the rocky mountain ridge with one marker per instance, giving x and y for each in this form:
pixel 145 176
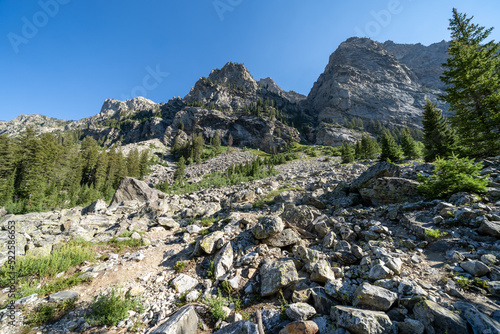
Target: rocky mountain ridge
pixel 364 79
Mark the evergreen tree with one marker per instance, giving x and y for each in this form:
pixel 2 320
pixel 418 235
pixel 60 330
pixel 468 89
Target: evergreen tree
pixel 408 144
pixel 358 151
pixel 472 78
pixel 347 154
pixel 197 147
pixel 6 169
pixel 230 140
pixel 369 147
pixel 180 172
pixel 216 142
pixel 390 149
pixel 439 138
pixel 144 164
pixel 133 169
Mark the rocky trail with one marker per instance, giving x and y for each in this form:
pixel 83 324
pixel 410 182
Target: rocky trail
pixel 319 248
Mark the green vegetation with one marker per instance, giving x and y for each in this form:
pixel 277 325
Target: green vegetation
pixel 180 266
pixel 391 151
pixel 50 312
pixel 211 270
pixel 269 198
pixel 347 154
pixel 439 137
pixel 409 145
pixel 472 78
pixel 58 171
pixel 436 234
pixel 452 176
pixel 109 309
pixel 216 306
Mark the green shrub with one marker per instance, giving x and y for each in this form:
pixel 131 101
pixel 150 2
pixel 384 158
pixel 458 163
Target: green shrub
pixel 451 176
pixel 180 266
pixel 109 309
pixel 436 234
pixel 216 307
pixel 50 312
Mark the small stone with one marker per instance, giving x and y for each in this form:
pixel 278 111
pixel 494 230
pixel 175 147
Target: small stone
pixel 183 283
pixel 300 311
pixel 380 271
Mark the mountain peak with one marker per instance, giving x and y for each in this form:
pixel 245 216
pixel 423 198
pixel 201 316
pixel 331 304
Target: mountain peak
pixel 235 74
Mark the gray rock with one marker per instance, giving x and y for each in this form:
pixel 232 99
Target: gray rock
pixel 271 319
pixel 475 268
pixel 341 291
pixel 322 301
pixel 368 177
pixel 300 311
pixel 301 215
pixel 438 319
pixel 223 261
pixel 62 296
pixel 490 228
pixel 133 189
pixel 390 190
pixel 321 271
pixel 96 207
pixel 410 326
pixel 183 283
pixel 28 300
pixel 380 271
pixel 212 242
pixel 306 254
pixel 285 238
pixel 480 322
pixel 168 223
pixel 359 321
pixel 183 321
pixel 268 226
pixel 277 275
pixel 239 327
pixel 374 297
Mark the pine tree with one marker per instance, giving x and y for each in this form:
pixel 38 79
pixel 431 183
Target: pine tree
pixel 133 163
pixel 368 147
pixel 390 149
pixel 347 154
pixel 180 172
pixel 472 78
pixel 6 169
pixel 439 138
pixel 408 144
pixel 197 147
pixel 216 142
pixel 144 164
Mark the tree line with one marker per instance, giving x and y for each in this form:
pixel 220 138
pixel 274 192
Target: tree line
pixel 59 171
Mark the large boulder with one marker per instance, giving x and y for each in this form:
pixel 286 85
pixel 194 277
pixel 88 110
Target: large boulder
pixel 368 177
pixel 479 322
pixel 301 215
pixel 276 275
pixel 438 319
pixel 223 261
pixel 132 189
pixel 359 321
pixel 374 297
pixel 389 190
pixel 268 226
pixel 285 238
pixel 183 321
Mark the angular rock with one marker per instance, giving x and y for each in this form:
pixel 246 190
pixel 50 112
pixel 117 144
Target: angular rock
pixel 306 254
pixel 62 296
pixel 380 271
pixel 239 327
pixel 168 223
pixel 490 228
pixel 223 261
pixel 268 226
pixel 475 268
pixel 301 215
pixel 438 319
pixel 359 321
pixel 300 311
pixel 183 321
pixel 285 238
pixel 212 242
pixel 322 301
pixel 341 291
pixel 410 326
pixel 183 283
pixel 321 271
pixel 374 297
pixel 368 177
pixel 133 189
pixel 276 275
pixel 480 322
pixel 390 190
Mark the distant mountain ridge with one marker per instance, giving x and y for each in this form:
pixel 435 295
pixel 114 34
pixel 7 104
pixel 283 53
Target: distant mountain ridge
pixel 382 82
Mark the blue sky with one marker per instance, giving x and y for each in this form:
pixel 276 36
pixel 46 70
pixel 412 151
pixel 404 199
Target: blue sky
pixel 63 58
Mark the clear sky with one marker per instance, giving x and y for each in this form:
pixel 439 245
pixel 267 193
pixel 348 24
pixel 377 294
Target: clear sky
pixel 63 58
